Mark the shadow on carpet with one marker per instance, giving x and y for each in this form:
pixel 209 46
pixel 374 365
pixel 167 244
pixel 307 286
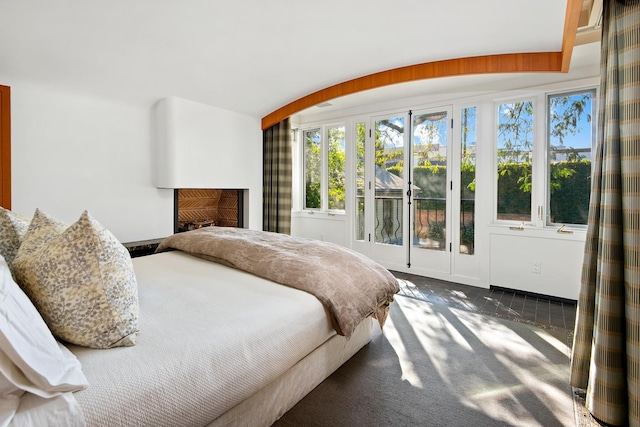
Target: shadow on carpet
pixel 434 365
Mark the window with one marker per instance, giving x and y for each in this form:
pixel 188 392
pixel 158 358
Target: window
pixel 335 166
pixel 324 168
pixel 544 179
pixel 570 139
pixel 468 180
pixel 389 162
pixel 312 169
pixel 361 129
pixel 515 160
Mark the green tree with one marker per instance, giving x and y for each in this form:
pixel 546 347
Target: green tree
pixel 336 163
pixel 515 139
pixel 426 127
pixel 312 169
pixel 388 135
pixel 565 113
pixel 570 178
pixel 515 132
pixel 515 129
pixel 361 139
pixel 468 158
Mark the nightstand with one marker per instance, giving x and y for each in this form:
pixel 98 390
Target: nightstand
pixel 142 247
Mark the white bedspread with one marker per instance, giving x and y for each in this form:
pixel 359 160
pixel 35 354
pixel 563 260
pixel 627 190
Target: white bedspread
pixel 210 336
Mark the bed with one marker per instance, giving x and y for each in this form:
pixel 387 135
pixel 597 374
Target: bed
pixel 215 345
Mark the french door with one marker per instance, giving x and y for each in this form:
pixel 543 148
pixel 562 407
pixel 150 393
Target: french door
pixel 402 208
pixel 430 190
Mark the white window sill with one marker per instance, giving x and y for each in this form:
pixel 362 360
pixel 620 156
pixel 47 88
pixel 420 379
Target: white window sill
pixel 312 214
pixel 549 232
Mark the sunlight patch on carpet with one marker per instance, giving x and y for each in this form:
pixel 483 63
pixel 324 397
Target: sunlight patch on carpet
pixel 504 369
pixel 408 370
pixel 562 347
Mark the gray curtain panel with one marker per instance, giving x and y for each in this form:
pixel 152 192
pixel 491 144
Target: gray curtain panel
pixel 276 183
pixel 606 347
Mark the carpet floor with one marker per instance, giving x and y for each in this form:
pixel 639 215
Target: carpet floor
pixel 434 365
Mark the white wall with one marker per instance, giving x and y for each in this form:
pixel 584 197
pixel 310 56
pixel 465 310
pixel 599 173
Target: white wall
pixel 72 152
pixel 558 261
pixel 320 226
pixel 202 146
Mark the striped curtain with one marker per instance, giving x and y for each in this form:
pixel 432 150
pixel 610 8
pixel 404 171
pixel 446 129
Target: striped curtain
pixel 276 183
pixel 606 348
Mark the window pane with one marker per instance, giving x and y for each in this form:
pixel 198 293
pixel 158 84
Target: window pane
pixel 312 169
pixel 360 182
pixel 468 181
pixel 515 143
pixel 389 185
pixel 570 142
pixel 429 189
pixel 335 141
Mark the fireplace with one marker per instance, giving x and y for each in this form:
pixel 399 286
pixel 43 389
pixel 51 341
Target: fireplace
pixel 203 207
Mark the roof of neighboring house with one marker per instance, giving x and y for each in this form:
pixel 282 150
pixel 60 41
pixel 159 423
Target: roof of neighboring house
pixel 386 182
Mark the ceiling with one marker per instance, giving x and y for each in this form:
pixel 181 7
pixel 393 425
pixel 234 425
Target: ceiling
pixel 254 56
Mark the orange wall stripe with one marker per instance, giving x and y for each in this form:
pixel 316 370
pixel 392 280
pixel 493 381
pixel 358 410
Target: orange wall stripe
pixel 5 147
pixel 507 63
pixel 572 18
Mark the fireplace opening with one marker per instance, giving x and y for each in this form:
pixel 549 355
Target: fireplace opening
pixel 203 207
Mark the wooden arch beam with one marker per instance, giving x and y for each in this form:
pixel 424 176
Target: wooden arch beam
pixel 543 62
pixel 5 147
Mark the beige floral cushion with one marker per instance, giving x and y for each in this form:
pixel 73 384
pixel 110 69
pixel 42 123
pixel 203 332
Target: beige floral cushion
pixel 12 230
pixel 42 229
pixel 81 280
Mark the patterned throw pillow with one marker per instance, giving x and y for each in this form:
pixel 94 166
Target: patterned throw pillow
pixel 43 229
pixel 12 230
pixel 81 280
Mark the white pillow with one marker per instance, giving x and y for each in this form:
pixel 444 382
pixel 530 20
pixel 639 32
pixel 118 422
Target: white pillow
pixel 31 359
pixel 9 400
pixel 63 410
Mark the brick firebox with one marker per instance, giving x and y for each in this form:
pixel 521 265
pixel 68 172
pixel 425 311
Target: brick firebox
pixel 198 207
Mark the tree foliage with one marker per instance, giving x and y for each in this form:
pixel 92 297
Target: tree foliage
pixel 336 164
pixel 568 175
pixel 389 143
pixel 566 164
pixel 515 131
pixel 565 113
pixel 312 169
